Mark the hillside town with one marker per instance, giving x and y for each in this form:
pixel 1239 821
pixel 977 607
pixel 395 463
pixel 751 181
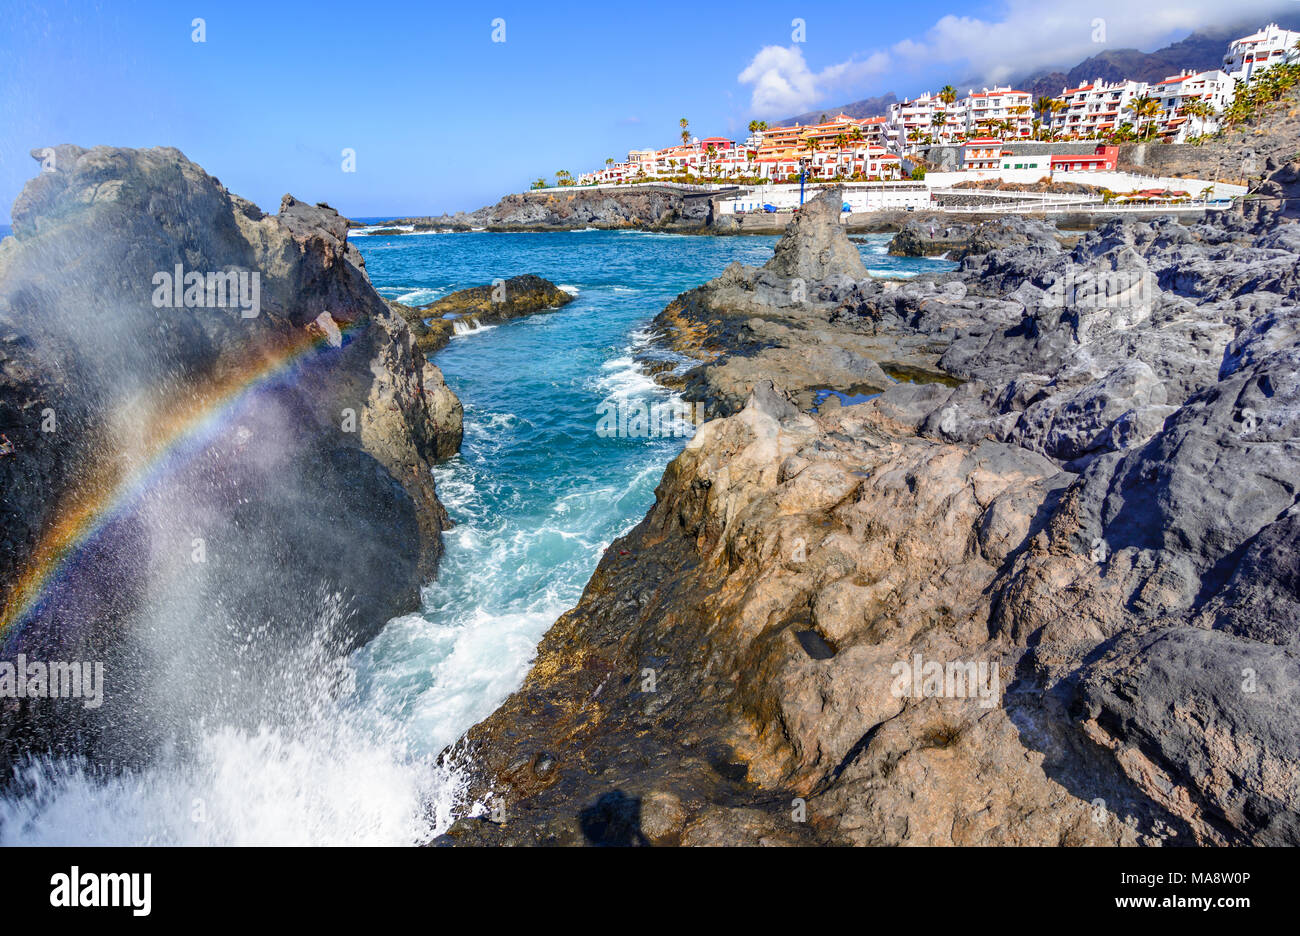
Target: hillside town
pixel 1183 108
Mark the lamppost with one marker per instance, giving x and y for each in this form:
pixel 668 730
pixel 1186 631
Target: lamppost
pixel 803 174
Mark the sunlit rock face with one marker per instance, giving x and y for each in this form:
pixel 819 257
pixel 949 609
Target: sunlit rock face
pixel 218 429
pixel 1044 591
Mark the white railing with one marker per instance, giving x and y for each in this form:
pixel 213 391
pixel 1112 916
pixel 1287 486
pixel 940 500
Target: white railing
pixel 625 186
pixel 1093 208
pixel 1008 195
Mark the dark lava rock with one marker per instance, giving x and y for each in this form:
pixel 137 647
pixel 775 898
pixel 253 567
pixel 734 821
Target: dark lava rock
pixel 1103 511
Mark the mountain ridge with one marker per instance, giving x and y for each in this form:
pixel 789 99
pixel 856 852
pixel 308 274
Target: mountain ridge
pixel 1200 50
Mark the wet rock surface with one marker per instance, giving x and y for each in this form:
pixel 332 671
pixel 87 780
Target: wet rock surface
pixel 1043 591
pixel 500 301
pixel 260 454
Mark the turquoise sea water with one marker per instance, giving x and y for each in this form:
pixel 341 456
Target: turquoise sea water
pixel 536 494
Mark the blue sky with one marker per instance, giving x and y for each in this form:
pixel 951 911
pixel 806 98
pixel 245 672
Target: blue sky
pixel 443 118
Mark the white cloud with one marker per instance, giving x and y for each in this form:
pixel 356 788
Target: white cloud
pixel 1032 35
pixel 783 83
pixel 1028 36
pixel 781 80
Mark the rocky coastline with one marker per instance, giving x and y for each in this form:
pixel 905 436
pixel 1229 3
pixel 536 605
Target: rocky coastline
pixel 1078 507
pixel 999 556
pixel 648 208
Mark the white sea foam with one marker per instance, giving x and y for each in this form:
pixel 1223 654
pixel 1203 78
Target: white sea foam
pixel 622 379
pixel 460 328
pixel 418 296
pixel 327 762
pixel 371 229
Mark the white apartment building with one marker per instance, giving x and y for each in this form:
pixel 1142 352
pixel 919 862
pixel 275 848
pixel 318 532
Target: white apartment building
pixel 914 120
pixel 869 161
pixel 1215 88
pixel 1096 108
pixel 1252 54
pixel 981 153
pixel 980 112
pixel 992 106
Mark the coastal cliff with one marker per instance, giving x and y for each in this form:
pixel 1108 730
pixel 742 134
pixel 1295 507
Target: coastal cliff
pixel 1040 590
pixel 220 436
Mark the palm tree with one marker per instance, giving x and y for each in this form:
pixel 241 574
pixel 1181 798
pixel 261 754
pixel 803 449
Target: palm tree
pixel 811 145
pixel 1199 110
pixel 947 94
pixel 686 136
pixel 540 183
pixel 841 141
pixel 1019 111
pixel 1053 107
pixel 1144 108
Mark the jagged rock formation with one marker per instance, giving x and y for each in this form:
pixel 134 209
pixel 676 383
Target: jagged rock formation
pixel 815 246
pixel 199 468
pixel 784 322
pixel 1053 604
pixel 516 297
pixel 957 240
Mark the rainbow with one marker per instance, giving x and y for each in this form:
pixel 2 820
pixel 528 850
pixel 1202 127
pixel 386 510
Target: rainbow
pixel 174 432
